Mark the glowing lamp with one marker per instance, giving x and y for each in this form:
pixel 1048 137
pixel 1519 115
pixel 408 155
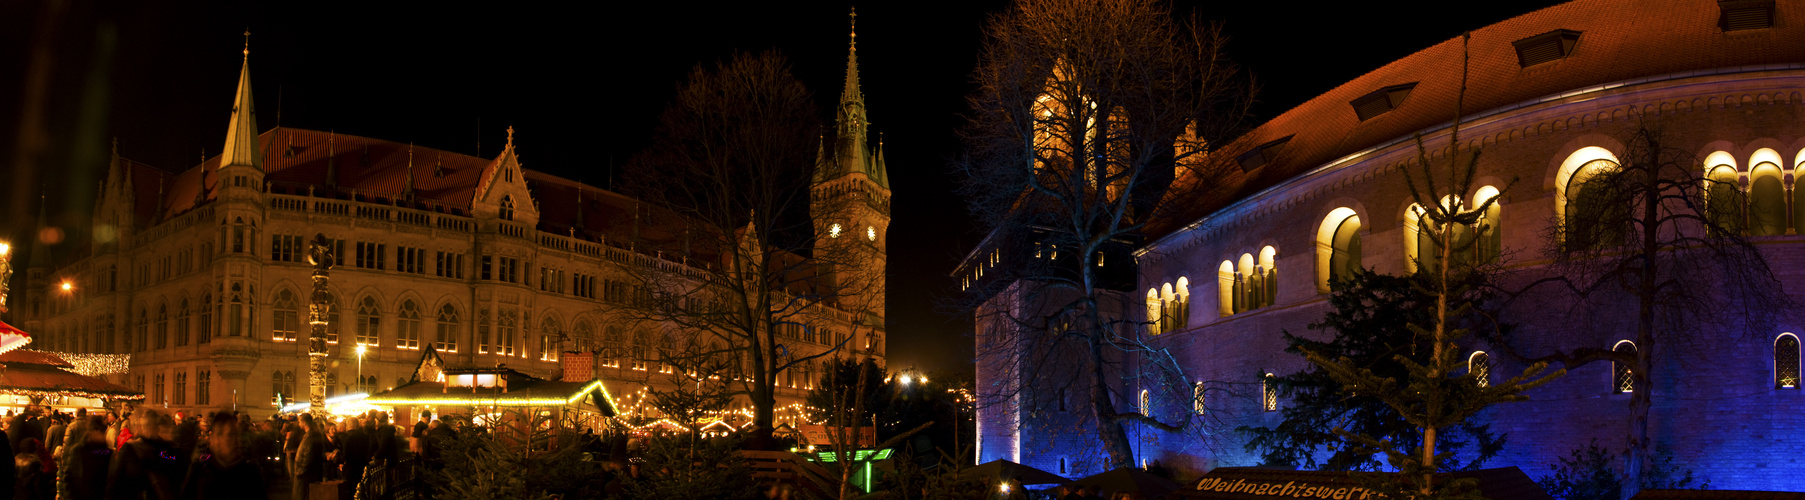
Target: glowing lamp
pixel 360 349
pixel 906 380
pixel 1003 488
pixel 67 286
pixel 6 249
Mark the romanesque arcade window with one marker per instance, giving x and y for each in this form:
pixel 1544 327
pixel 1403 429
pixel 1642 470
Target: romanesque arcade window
pixel 1337 247
pixel 407 326
pixel 369 322
pixel 1594 213
pixel 1724 199
pixel 1767 200
pixel 1786 361
pixel 1472 244
pixel 285 319
pixel 447 324
pixel 1480 366
pixel 1169 307
pixel 1621 381
pixel 1250 284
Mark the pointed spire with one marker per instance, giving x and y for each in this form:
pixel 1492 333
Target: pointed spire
pixel 851 92
pixel 882 173
pixel 851 151
pixel 241 133
pixel 821 160
pixel 407 184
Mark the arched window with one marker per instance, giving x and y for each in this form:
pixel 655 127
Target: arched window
pixel 181 324
pixel 585 337
pixel 1621 381
pixel 369 322
pixel 1197 402
pixel 447 324
pixel 206 334
pixel 277 387
pixel 1269 393
pixel 507 328
pixel 162 326
pixel 143 330
pixel 614 345
pixel 1724 199
pixel 1767 201
pixel 551 340
pixel 235 313
pixel 407 326
pixel 285 319
pixel 507 208
pixel 1595 214
pixel 1168 313
pixel 238 235
pixel 642 342
pixel 1337 247
pixel 1182 307
pixel 1254 282
pixel 1489 228
pixel 1225 288
pixel 1154 308
pixel 1786 361
pixel 1146 407
pixel 1480 366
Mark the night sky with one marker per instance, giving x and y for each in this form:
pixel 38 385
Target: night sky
pixel 582 83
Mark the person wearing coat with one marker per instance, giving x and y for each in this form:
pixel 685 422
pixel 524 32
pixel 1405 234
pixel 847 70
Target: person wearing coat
pixel 88 462
pixel 148 467
pixel 310 457
pixel 222 469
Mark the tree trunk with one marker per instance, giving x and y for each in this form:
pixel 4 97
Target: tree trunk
pixel 1115 439
pixel 1641 387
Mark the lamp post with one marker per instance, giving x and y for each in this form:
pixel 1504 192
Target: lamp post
pixel 360 368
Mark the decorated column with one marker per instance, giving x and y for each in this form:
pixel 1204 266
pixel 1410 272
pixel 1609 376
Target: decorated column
pixel 319 253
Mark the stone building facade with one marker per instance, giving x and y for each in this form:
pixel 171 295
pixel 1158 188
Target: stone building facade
pixel 202 275
pixel 1549 95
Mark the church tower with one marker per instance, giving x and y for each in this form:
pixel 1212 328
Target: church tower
pixel 850 201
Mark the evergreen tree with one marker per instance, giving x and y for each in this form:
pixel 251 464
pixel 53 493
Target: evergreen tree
pixel 1367 320
pixel 1430 396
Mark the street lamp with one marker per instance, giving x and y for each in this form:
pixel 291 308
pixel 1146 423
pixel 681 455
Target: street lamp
pixel 360 368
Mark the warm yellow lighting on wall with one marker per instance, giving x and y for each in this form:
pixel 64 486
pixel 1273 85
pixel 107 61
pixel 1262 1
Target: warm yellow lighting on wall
pixel 67 286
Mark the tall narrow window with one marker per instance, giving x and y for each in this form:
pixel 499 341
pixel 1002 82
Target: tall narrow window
pixel 1269 393
pixel 1594 213
pixel 549 341
pixel 206 334
pixel 143 331
pixel 284 318
pixel 1621 380
pixel 162 326
pixel 161 394
pixel 203 385
pixel 507 328
pixel 482 331
pixel 1480 366
pixel 407 326
pixel 235 314
pixel 1767 201
pixel 1154 309
pixel 1146 406
pixel 1337 247
pixel 276 389
pixel 181 324
pixel 507 208
pixel 369 322
pixel 585 337
pixel 180 389
pixel 1724 199
pixel 1181 308
pixel 447 324
pixel 1786 361
pixel 1197 401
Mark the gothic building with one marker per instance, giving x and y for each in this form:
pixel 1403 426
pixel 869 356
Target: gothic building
pixel 1320 190
pixel 201 275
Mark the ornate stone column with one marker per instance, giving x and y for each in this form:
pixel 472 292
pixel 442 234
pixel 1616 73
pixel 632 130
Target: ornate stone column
pixel 319 253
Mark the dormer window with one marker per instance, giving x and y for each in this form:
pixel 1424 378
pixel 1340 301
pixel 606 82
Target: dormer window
pixel 1380 101
pixel 1260 156
pixel 1738 15
pixel 1546 47
pixel 507 208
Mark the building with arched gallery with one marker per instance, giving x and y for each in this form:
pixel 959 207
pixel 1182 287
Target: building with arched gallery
pixel 1321 190
pixel 202 277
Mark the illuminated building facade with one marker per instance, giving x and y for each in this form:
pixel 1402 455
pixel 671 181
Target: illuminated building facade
pixel 1550 94
pixel 201 276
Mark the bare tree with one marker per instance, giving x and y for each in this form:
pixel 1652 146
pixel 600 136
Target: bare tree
pixel 729 262
pixel 1654 236
pixel 1085 114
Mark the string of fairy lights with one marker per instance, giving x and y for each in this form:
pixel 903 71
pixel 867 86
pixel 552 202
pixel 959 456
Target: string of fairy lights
pixel 95 365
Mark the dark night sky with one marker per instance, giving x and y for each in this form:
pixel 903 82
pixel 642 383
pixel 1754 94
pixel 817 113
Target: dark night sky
pixel 582 83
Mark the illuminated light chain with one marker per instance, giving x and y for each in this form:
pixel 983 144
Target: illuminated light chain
pixel 474 401
pixel 82 394
pixel 94 365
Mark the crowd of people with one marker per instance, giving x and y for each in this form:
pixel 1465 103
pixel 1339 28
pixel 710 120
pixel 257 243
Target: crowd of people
pixel 153 454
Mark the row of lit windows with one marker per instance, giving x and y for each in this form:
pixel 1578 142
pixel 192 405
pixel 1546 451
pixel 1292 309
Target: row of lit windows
pixel 177 394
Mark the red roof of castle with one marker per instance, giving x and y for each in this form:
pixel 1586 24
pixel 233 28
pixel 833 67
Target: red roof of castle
pixel 1620 40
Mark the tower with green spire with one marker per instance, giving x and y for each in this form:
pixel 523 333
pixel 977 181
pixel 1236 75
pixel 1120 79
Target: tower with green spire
pixel 850 201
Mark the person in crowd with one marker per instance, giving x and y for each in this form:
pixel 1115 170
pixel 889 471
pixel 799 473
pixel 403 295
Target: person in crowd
pixel 58 426
pixel 88 462
pixel 388 449
pixel 222 470
pixel 21 426
pixel 291 441
pixel 147 467
pixel 355 453
pixel 310 457
pixel 36 472
pixel 417 439
pixel 73 434
pixel 126 431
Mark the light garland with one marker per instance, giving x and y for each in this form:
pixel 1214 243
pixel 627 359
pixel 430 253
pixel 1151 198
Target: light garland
pixel 94 365
pixel 83 394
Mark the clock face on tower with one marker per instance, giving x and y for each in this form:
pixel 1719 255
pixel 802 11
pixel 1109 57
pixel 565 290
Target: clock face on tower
pixel 833 231
pixel 870 233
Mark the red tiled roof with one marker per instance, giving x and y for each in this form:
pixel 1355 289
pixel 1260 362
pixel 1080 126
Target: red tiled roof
pixel 34 358
pixel 1621 40
pixel 29 377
